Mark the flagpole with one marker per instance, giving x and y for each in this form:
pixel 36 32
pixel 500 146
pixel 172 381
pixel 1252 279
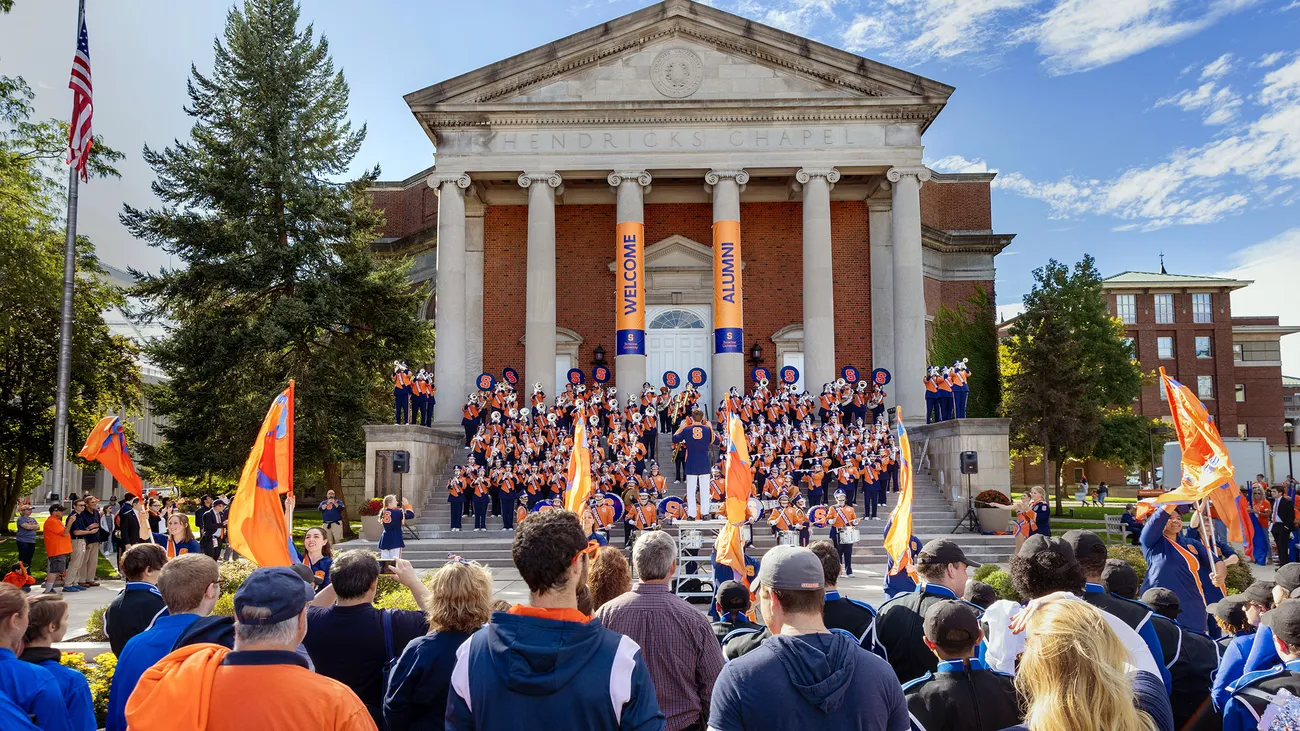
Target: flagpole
pixel 59 463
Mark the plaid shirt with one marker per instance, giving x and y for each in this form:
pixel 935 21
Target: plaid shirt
pixel 678 645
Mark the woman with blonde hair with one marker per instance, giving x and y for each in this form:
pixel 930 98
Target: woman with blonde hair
pixel 1075 673
pixel 609 576
pixel 460 601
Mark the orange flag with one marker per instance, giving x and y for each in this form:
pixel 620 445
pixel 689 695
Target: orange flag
pixel 729 547
pixel 1205 464
pixel 898 534
pixel 256 520
pixel 107 446
pixel 578 487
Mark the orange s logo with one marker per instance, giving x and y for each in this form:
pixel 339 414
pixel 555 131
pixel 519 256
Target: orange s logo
pixel 697 433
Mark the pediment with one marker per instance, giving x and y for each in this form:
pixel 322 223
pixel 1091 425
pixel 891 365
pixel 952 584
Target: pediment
pixel 679 253
pixel 680 54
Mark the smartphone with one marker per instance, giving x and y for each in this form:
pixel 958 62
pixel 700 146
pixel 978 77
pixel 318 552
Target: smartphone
pixel 387 565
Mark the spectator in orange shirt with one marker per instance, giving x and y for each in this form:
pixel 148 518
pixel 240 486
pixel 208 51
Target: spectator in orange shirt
pixel 198 681
pixel 58 547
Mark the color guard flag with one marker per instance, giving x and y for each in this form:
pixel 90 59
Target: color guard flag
pixel 898 534
pixel 1205 463
pixel 578 485
pixel 739 485
pixel 258 530
pixel 107 446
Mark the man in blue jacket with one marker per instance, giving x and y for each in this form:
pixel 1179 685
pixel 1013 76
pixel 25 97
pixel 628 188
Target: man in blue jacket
pixel 1173 563
pixel 547 660
pixel 696 437
pixel 190 585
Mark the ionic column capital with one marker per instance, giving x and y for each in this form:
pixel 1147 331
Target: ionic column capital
pixel 713 177
pixel 641 177
pixel 436 180
pixel 920 172
pixel 552 179
pixel 831 175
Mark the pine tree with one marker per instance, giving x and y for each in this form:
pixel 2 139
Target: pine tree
pixel 277 278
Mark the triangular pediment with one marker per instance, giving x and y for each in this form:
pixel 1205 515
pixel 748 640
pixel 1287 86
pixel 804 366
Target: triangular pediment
pixel 680 54
pixel 677 252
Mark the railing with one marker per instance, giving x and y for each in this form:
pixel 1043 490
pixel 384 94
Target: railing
pixel 924 460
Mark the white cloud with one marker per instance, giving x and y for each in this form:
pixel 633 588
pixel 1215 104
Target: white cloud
pixel 959 164
pixel 1274 266
pixel 1218 68
pixel 1268 60
pixel 795 16
pixel 1193 185
pixel 927 29
pixel 1220 104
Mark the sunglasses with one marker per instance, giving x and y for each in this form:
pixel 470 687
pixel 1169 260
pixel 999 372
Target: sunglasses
pixel 589 551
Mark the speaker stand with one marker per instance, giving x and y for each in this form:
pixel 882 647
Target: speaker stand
pixel 970 519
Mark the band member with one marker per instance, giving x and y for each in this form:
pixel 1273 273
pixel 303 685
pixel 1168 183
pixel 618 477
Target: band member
pixel 602 511
pixel 932 413
pixel 786 517
pixel 1026 524
pixel 944 385
pixel 644 516
pixel 481 499
pixel 507 487
pixel 401 393
pixel 841 517
pixel 469 418
pixel 456 496
pixel 960 375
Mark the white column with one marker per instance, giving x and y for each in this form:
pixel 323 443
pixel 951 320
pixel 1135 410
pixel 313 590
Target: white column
pixel 474 209
pixel 539 308
pixel 818 279
pixel 909 291
pixel 449 355
pixel 629 276
pixel 880 234
pixel 728 292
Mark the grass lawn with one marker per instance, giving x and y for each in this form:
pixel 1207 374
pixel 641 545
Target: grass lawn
pixel 310 518
pixel 1113 507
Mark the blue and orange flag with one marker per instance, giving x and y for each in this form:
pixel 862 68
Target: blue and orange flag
pixel 1205 463
pixel 258 530
pixel 898 534
pixel 739 485
pixel 107 446
pixel 578 483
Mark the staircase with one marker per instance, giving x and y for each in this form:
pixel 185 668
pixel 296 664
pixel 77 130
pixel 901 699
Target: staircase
pixel 932 517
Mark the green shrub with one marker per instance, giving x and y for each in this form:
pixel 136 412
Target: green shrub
pixel 1001 583
pixel 95 625
pixel 1239 577
pixel 225 606
pixel 985 570
pixel 234 573
pixel 1131 555
pixel 400 599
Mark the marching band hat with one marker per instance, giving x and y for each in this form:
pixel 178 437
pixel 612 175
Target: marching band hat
pixel 952 625
pixel 942 551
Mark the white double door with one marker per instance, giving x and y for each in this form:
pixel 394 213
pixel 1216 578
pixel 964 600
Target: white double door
pixel 677 339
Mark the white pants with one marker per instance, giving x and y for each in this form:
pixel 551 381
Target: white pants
pixel 702 483
pixel 390 553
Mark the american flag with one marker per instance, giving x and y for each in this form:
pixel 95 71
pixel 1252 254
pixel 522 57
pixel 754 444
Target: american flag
pixel 83 107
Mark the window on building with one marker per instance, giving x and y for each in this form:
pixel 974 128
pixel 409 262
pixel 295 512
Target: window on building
pixel 1126 308
pixel 1240 389
pixel 1257 351
pixel 1165 347
pixel 1241 430
pixel 1202 308
pixel 1203 346
pixel 1165 309
pixel 1205 387
pixel 1132 347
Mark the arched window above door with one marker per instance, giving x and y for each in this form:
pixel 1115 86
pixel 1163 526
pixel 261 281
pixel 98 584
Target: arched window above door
pixel 677 320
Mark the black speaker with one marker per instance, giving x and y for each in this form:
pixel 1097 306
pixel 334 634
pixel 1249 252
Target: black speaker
pixel 402 460
pixel 970 463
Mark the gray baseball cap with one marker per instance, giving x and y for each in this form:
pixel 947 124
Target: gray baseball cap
pixel 791 568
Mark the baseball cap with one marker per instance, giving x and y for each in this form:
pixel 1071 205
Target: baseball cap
pixel 1259 592
pixel 979 593
pixel 1163 601
pixel 942 551
pixel 1284 619
pixel 1085 544
pixel 951 625
pixel 793 568
pixel 1119 578
pixel 1039 543
pixel 304 572
pixel 1230 609
pixel 733 596
pixel 1288 577
pixel 277 589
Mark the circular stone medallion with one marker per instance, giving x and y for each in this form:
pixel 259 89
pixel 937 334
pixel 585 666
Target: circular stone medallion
pixel 677 72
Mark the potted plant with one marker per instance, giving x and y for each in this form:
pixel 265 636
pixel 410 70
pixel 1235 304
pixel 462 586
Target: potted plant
pixel 370 510
pixel 991 507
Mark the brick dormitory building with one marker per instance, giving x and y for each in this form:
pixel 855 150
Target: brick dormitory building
pixel 1185 325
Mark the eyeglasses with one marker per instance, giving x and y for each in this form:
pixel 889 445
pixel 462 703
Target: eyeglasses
pixel 590 551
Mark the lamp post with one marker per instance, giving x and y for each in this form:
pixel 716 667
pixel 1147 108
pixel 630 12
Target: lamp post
pixel 1152 432
pixel 1289 430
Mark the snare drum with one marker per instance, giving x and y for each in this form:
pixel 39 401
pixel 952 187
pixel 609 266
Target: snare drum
pixel 787 538
pixel 691 539
pixel 849 535
pixel 746 533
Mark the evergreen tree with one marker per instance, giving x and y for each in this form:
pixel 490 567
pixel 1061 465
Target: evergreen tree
pixel 277 278
pixel 969 331
pixel 1069 366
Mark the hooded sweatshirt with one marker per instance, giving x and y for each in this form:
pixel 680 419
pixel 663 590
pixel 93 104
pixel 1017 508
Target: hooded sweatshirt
pixel 522 668
pixel 822 680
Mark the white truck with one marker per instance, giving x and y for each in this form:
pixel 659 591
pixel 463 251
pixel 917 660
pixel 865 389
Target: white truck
pixel 1250 457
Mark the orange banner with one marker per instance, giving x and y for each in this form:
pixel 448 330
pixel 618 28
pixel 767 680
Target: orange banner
pixel 728 297
pixel 629 284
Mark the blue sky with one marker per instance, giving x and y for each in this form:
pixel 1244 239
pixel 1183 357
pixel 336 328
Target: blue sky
pixel 1121 128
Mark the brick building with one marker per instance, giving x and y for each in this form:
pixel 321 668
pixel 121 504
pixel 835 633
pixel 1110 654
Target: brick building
pixel 597 193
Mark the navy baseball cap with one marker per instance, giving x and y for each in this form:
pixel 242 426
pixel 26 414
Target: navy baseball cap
pixel 276 589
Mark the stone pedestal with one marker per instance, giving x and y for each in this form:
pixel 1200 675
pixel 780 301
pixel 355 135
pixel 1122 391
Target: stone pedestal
pixel 989 438
pixel 430 450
